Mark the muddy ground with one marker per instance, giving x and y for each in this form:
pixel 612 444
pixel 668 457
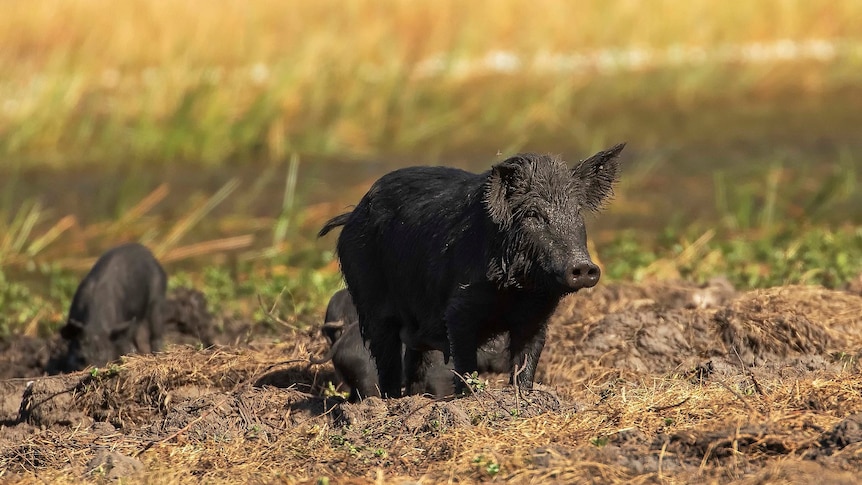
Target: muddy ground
pixel 651 383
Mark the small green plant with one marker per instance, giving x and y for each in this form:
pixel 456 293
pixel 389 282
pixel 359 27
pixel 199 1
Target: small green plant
pixel 668 421
pixel 340 441
pixel 99 471
pixel 331 391
pixel 488 465
pixel 599 441
pixel 475 383
pixel 111 371
pixel 843 358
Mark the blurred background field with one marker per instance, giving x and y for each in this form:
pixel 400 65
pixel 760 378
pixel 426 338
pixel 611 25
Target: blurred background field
pixel 222 134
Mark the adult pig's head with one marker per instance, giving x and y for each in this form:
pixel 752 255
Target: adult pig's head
pixel 537 203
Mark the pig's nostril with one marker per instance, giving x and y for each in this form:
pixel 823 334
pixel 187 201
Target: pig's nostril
pixel 583 275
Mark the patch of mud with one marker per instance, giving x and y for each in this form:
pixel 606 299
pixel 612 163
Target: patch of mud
pixel 112 465
pixel 587 306
pixel 258 414
pixel 760 329
pixel 805 327
pixel 752 440
pixel 845 433
pixel 419 414
pixel 50 401
pixel 23 356
pixel 652 340
pixel 187 318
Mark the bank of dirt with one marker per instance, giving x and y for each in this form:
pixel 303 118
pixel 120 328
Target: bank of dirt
pixel 659 382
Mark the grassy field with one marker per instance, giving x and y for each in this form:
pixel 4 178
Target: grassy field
pixel 153 82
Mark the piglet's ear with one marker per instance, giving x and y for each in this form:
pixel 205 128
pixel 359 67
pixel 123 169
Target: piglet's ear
pixel 333 330
pixel 500 183
pixel 72 329
pixel 596 176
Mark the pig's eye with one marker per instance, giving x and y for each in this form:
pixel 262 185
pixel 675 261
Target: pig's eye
pixel 533 214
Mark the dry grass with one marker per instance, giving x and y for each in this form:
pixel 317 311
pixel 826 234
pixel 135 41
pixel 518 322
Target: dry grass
pixel 230 415
pixel 92 80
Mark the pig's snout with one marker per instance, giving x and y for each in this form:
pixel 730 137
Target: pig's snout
pixel 582 274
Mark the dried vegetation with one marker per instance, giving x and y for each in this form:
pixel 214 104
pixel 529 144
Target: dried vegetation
pixel 651 383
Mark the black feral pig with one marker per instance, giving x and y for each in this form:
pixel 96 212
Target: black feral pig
pixel 352 359
pixel 122 294
pixel 349 355
pixel 438 258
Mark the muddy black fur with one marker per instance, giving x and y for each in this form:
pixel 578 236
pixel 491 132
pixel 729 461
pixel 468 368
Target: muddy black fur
pixel 442 259
pixel 123 293
pixel 352 359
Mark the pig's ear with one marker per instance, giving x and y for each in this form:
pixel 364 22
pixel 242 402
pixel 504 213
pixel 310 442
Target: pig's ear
pixel 500 183
pixel 333 330
pixel 596 176
pixel 72 329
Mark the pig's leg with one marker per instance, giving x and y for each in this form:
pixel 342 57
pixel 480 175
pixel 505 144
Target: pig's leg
pixel 385 347
pixel 525 349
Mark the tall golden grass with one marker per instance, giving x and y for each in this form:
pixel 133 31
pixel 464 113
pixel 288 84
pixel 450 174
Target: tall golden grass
pixel 93 80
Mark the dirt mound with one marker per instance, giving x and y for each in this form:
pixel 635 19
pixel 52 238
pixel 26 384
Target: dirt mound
pixel 587 306
pixel 421 414
pixel 23 356
pixel 187 318
pixel 112 465
pixel 787 326
pixel 52 401
pixel 771 323
pixel 651 340
pixel 251 413
pixel 845 433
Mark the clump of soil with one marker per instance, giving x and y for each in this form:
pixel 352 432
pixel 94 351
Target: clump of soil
pixel 24 356
pixel 187 318
pixel 422 414
pixel 767 324
pixel 589 306
pixel 791 325
pixel 112 465
pixel 652 340
pixel 52 401
pixel 845 433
